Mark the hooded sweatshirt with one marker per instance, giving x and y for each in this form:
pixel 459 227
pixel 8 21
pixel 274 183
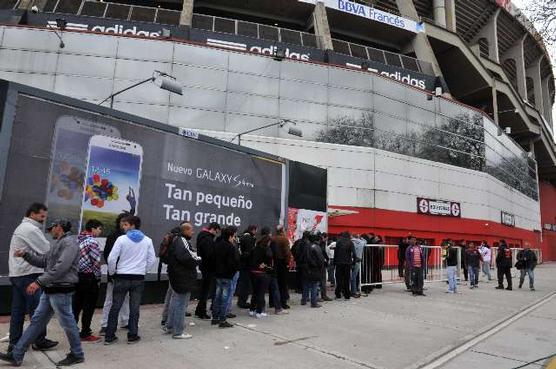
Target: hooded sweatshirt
pixel 132 256
pixel 30 237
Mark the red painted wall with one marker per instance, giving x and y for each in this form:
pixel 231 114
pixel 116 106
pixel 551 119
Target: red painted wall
pixel 388 223
pixel 548 216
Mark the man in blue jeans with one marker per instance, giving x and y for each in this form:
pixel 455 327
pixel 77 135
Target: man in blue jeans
pixel 226 265
pixel 130 259
pixel 27 236
pixel 58 282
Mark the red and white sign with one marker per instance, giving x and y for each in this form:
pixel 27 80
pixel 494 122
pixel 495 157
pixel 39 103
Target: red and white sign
pixel 438 207
pixel 507 219
pixel 301 220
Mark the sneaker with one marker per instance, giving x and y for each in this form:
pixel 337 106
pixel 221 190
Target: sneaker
pixel 499 287
pixel 203 316
pixel 132 340
pixel 286 306
pixel 166 330
pixel 188 314
pixel 163 323
pixel 356 295
pixel 316 306
pixel 509 288
pixel 251 313
pixel 102 331
pixel 519 286
pixel 231 316
pixel 532 288
pixel 70 360
pixel 45 345
pixel 225 324
pixel 214 322
pixel 281 312
pixel 90 338
pixel 326 298
pixel 110 341
pixel 9 358
pixel 303 303
pixel 183 336
pixel 260 316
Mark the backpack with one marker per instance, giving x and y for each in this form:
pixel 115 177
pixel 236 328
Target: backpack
pixel 165 246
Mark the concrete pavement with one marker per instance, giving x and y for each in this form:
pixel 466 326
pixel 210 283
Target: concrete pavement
pixel 388 329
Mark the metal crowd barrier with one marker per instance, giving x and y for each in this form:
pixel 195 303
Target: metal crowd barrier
pixel 380 265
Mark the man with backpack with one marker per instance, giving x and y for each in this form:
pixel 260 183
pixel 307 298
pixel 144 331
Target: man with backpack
pixel 504 265
pixel 526 263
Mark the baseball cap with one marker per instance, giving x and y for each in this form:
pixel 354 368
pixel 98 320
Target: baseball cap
pixel 64 223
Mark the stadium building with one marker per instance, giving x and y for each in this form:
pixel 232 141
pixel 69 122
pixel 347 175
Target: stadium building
pixel 431 116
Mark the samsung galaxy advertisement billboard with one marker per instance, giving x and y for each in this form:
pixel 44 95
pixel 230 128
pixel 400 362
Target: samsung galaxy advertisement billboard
pixel 85 165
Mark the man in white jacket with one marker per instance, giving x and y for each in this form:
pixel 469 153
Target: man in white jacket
pixel 132 256
pixel 28 236
pixel 486 254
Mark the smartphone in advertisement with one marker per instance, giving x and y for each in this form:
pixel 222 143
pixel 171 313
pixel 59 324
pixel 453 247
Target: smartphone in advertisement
pixel 112 180
pixel 68 164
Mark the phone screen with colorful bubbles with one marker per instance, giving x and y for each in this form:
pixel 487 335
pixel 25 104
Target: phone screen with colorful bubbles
pixel 68 162
pixel 112 180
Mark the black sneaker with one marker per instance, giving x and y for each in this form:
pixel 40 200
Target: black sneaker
pixel 110 341
pixel 214 322
pixel 45 345
pixel 286 306
pixel 70 360
pixel 102 331
pixel 509 288
pixel 326 298
pixel 316 306
pixel 231 316
pixel 162 323
pixel 125 327
pixel 499 287
pixel 225 324
pixel 132 340
pixel 203 316
pixel 9 358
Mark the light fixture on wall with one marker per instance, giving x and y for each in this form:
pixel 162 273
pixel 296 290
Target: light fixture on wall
pixel 294 131
pixel 61 25
pixel 161 79
pixel 279 53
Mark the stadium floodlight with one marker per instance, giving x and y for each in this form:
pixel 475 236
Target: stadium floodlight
pixel 515 111
pixel 161 79
pixel 282 122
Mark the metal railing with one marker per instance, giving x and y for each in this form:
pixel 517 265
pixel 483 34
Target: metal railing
pixel 382 56
pixel 255 30
pixel 515 250
pixel 380 264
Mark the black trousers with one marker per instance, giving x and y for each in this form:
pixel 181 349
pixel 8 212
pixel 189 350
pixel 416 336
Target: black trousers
pixel 343 279
pixel 260 287
pixel 323 282
pixel 417 280
pixel 244 287
pixel 505 271
pixel 207 286
pixel 84 301
pixel 401 265
pixel 282 272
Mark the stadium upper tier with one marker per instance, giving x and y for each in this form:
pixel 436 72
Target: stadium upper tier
pixel 483 53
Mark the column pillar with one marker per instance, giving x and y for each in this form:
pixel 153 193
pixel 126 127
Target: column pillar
pixel 186 16
pixel 516 53
pixel 322 27
pixel 451 15
pixel 547 102
pixel 534 72
pixel 439 11
pixel 490 32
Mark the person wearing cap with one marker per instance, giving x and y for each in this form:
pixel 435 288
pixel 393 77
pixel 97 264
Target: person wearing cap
pixel 58 282
pixel 27 236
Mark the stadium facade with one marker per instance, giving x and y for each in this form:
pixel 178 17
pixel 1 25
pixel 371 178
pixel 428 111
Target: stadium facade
pixel 431 116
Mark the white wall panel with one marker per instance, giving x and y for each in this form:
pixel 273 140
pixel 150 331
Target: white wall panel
pixel 27 61
pixel 88 66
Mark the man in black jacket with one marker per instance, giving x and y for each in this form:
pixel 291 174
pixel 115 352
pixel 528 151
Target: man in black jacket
pixel 527 261
pixel 504 265
pixel 344 257
pixel 182 273
pixel 124 312
pixel 244 284
pixel 226 264
pixel 205 249
pixel 402 247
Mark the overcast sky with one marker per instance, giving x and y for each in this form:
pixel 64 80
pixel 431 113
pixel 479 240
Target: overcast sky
pixel 522 4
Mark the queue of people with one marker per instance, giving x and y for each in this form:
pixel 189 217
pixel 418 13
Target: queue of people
pixel 63 278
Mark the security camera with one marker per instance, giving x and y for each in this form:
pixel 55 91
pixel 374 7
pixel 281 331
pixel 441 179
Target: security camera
pixel 35 9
